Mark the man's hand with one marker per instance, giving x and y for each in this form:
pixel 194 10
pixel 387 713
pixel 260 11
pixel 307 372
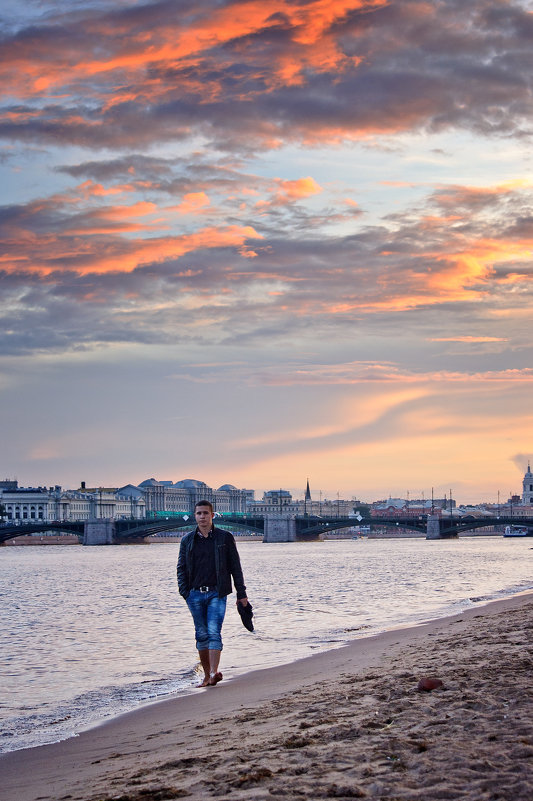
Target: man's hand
pixel 243 601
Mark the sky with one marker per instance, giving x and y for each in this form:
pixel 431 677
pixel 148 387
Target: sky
pixel 267 241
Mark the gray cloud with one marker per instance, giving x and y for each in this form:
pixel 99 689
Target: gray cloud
pixel 432 66
pixel 407 273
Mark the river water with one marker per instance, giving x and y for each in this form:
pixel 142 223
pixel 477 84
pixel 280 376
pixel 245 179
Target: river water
pixel 88 633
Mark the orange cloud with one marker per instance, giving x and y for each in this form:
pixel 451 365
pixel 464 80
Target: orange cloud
pixel 247 253
pixel 303 187
pixel 29 70
pixel 193 203
pixel 140 209
pixel 89 188
pixel 151 250
pixel 289 191
pixel 111 253
pixel 450 275
pixel 516 278
pixel 467 339
pixel 456 196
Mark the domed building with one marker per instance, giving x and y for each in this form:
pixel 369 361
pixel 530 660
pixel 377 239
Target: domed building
pixel 191 483
pixel 181 496
pixel 230 499
pixel 527 487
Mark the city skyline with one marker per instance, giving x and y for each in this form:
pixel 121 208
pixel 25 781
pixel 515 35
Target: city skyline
pixel 296 493
pixel 254 242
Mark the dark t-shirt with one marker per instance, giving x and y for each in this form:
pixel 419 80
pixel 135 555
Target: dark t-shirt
pixel 204 572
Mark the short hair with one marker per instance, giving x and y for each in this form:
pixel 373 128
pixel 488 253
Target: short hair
pixel 204 503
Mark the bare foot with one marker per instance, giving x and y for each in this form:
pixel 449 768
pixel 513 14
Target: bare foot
pixel 205 683
pixel 214 679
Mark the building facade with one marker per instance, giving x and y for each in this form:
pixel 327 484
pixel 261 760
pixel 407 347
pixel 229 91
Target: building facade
pixel 27 504
pixel 281 502
pixel 274 502
pixel 181 496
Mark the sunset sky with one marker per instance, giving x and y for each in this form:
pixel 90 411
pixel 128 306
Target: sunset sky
pixel 260 242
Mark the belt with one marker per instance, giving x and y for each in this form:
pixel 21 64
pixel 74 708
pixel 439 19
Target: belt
pixel 205 588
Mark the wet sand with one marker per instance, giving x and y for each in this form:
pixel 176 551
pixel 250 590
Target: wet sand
pixel 349 723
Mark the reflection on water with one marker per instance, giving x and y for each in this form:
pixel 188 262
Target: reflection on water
pixel 91 632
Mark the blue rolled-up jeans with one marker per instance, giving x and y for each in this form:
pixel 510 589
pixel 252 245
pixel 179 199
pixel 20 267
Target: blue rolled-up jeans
pixel 207 611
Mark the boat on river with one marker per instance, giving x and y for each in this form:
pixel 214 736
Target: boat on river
pixel 516 531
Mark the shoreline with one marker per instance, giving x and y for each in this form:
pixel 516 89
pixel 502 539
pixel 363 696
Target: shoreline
pixel 104 761
pixel 233 673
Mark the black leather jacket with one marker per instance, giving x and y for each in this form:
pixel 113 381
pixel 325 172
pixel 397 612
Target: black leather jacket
pixel 227 564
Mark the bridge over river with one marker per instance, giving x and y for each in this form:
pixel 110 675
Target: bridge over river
pixel 274 528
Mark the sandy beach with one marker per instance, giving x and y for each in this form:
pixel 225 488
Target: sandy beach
pixel 349 723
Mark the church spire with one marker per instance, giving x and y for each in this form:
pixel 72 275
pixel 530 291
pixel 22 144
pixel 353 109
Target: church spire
pixel 307 492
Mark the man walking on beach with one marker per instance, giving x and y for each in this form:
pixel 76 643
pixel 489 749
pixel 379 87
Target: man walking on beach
pixel 208 560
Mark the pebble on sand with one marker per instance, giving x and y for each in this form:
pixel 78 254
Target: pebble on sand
pixel 427 684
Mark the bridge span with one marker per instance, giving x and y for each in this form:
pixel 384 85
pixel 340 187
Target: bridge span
pixel 274 528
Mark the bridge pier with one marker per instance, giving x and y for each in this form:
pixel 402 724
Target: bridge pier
pixel 279 529
pixel 99 532
pixel 433 528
